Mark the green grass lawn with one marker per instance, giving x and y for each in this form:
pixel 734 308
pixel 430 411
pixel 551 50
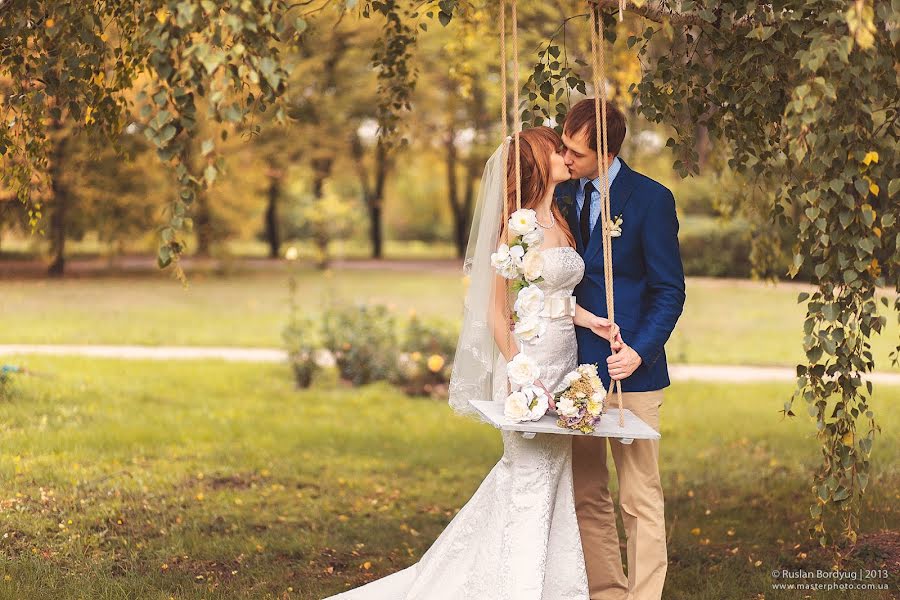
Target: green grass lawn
pixel 210 480
pixel 725 321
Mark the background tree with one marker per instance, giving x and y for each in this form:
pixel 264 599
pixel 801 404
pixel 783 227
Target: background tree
pixel 771 83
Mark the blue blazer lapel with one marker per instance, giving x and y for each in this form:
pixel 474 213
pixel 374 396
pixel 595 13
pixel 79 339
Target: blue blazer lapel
pixel 619 194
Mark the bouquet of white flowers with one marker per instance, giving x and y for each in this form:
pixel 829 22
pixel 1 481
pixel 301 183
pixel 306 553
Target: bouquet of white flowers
pixel 581 404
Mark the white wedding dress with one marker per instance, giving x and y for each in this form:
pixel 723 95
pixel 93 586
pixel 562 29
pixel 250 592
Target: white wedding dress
pixel 517 538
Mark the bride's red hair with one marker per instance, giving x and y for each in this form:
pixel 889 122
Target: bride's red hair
pixel 536 145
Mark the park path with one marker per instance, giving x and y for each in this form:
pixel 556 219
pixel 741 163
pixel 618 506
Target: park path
pixel 678 372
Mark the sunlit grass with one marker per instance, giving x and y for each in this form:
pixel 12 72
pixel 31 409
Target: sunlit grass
pixel 724 321
pixel 211 480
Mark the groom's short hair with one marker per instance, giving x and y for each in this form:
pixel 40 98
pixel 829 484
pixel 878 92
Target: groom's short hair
pixel 582 117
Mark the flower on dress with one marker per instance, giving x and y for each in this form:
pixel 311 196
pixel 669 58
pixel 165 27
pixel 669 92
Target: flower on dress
pixel 516 406
pixel 504 261
pixel 528 404
pixel 533 265
pixel 529 302
pixel 522 370
pixel 530 328
pixel 534 238
pixel 523 221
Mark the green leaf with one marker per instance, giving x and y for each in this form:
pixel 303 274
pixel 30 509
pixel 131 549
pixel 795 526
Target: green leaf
pixel 167 133
pixel 893 187
pixel 841 493
pixel 269 69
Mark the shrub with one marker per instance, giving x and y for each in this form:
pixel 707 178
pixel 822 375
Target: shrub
pixel 364 342
pixel 301 337
pixel 426 356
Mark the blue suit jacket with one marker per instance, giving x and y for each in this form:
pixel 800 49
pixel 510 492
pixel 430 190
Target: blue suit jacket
pixel 648 277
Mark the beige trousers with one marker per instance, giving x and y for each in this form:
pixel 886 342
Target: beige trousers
pixel 641 500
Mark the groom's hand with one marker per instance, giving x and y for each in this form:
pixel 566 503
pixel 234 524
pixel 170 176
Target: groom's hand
pixel 623 363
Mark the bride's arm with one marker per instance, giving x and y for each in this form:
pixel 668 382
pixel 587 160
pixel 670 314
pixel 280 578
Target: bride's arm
pixel 599 325
pixel 500 321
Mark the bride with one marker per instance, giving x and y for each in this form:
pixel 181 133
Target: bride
pixel 517 538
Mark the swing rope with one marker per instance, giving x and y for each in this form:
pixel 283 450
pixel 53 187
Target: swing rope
pixel 599 73
pixel 600 102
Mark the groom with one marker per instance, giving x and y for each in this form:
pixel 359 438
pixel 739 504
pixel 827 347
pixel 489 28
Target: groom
pixel 649 298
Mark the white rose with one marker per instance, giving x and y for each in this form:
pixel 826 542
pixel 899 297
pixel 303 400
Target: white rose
pixel 515 255
pixel 530 328
pixel 522 370
pixel 566 407
pixel 516 407
pixel 596 383
pixel 538 402
pixel 599 396
pixel 594 408
pixel 510 270
pixel 529 302
pixel 523 221
pixel 534 238
pixel 571 377
pixel 533 265
pixel 502 260
pixel 501 257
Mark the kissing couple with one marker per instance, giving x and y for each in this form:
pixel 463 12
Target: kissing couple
pixel 542 524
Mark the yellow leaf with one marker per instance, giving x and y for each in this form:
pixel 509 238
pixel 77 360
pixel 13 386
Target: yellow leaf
pixel 695 531
pixel 874 189
pixel 847 440
pixel 161 15
pixel 49 23
pixel 367 565
pixel 871 157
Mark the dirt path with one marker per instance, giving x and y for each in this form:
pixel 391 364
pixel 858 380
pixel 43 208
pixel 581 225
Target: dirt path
pixel 682 372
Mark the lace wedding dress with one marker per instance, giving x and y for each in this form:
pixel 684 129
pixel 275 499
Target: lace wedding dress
pixel 517 537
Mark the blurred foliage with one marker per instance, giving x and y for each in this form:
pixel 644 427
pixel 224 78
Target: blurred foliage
pixel 363 340
pixel 369 343
pixel 426 355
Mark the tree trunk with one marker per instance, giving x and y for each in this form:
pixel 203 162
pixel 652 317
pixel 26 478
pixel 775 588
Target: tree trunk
pixel 273 235
pixel 375 230
pixel 373 195
pixel 203 224
pixel 452 158
pixel 61 200
pixel 702 145
pixel 376 202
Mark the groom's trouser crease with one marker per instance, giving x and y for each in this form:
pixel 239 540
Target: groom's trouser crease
pixel 642 502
